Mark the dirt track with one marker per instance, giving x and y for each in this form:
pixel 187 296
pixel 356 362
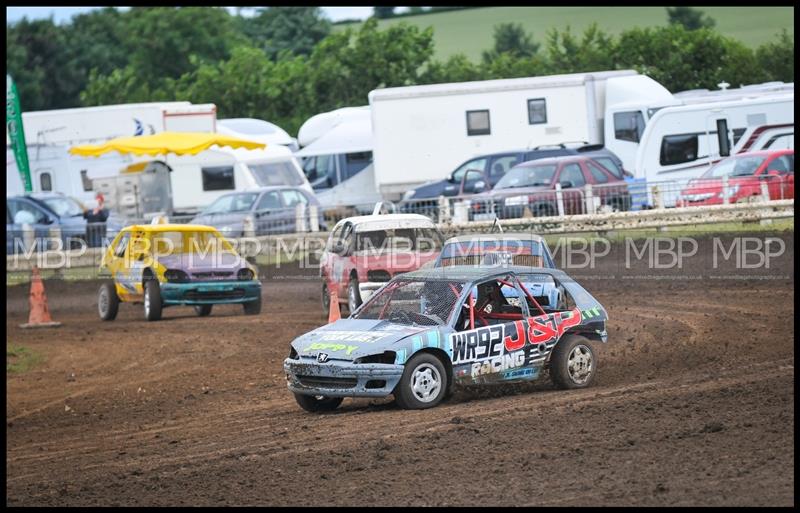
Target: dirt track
pixel 693 405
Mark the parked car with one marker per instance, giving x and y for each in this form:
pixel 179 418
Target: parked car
pixel 365 252
pixel 746 172
pixel 47 211
pixel 164 265
pixel 496 249
pixel 482 173
pixel 530 189
pixel 431 329
pixel 265 211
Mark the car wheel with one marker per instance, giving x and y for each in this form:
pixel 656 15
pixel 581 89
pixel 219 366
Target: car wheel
pixel 152 300
pixel 252 307
pixel 573 363
pixel 107 302
pixel 317 403
pixel 353 295
pixel 203 310
pixel 423 384
pixel 326 299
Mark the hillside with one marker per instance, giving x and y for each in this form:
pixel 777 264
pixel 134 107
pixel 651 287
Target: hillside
pixel 470 31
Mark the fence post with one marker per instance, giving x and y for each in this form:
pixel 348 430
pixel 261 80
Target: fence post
pixel 559 200
pixel 27 236
pixel 589 199
pixel 300 218
pixel 248 227
pixel 444 210
pixel 725 190
pixel 313 217
pixel 657 200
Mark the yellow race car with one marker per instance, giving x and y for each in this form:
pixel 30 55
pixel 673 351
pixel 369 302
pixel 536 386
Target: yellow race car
pixel 163 265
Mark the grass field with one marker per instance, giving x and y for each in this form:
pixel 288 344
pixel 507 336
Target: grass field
pixel 470 31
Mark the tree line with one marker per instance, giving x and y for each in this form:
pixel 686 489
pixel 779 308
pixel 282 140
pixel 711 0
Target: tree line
pixel 286 64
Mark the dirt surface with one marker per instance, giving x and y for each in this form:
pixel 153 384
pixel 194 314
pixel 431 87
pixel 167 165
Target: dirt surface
pixel 693 405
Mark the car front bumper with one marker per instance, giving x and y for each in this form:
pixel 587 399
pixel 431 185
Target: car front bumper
pixel 210 292
pixel 337 378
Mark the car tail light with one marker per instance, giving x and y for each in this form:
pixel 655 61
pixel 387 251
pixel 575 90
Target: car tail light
pixel 245 274
pixel 176 276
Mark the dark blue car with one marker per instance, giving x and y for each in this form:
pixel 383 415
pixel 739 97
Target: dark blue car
pixel 482 173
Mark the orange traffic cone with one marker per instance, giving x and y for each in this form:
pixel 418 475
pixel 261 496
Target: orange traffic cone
pixel 333 311
pixel 40 314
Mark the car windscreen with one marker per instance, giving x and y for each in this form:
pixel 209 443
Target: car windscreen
pixel 399 239
pixel 64 207
pixel 494 252
pixel 527 176
pixel 178 242
pixel 276 173
pixel 413 303
pixel 232 203
pixel 736 166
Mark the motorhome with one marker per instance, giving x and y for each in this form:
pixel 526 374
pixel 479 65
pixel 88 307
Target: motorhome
pixel 50 134
pixel 423 132
pixel 257 130
pixel 679 143
pixel 336 157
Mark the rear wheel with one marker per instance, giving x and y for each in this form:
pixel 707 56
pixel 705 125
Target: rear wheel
pixel 107 302
pixel 252 307
pixel 317 403
pixel 424 383
pixel 152 301
pixel 203 310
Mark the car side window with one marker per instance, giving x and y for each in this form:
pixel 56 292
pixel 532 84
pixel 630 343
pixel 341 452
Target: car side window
pixel 572 173
pixel 476 164
pixel 501 165
pixel 782 164
pixel 269 201
pixel 336 234
pixel 25 213
pixel 122 245
pixel 597 173
pixel 292 198
pixel 608 163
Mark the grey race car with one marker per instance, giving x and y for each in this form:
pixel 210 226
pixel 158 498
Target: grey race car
pixel 428 330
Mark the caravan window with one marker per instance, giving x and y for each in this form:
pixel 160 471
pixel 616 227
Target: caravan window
pixel 537 111
pixel 628 126
pixel 353 163
pixel 45 182
pixel 87 182
pixel 478 122
pixel 275 173
pixel 677 149
pixel 218 178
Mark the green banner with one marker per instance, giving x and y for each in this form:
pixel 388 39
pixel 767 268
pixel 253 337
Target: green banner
pixel 16 133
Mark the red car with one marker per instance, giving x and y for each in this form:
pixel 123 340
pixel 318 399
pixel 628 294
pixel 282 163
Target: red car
pixel 746 172
pixel 363 253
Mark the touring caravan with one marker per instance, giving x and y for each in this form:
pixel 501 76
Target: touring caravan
pixel 337 158
pixel 257 130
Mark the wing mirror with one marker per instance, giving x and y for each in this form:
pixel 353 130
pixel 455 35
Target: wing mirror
pixel 567 184
pixel 338 247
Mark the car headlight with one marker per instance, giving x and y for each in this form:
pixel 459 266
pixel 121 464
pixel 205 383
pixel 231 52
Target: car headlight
pixel 176 276
pixel 516 201
pixel 409 194
pixel 245 274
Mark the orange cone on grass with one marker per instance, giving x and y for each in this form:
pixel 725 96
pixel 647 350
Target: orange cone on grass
pixel 333 311
pixel 40 315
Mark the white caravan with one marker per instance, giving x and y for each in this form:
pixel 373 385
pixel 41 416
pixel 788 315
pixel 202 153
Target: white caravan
pixel 257 130
pixel 679 143
pixel 50 134
pixel 422 133
pixel 337 158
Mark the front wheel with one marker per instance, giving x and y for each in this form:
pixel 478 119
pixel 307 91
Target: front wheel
pixel 107 302
pixel 152 301
pixel 573 364
pixel 424 383
pixel 203 310
pixel 317 403
pixel 252 307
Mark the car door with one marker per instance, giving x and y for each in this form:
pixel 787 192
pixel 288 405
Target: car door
pixel 269 214
pixel 499 166
pixel 456 182
pixel 117 261
pixel 605 187
pixel 779 174
pixel 23 212
pixel 291 199
pixel 572 181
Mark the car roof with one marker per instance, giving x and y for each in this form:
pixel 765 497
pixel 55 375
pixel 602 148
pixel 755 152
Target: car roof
pixel 380 220
pixel 265 188
pixel 494 236
pixel 167 227
pixel 763 153
pixel 470 273
pixel 554 160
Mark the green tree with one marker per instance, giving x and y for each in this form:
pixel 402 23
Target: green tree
pixel 512 39
pixel 457 68
pixel 777 58
pixel 689 17
pixel 566 53
pixel 277 29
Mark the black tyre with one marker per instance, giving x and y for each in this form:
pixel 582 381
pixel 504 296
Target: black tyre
pixel 252 307
pixel 152 300
pixel 573 363
pixel 353 295
pixel 107 302
pixel 424 383
pixel 542 210
pixel 317 403
pixel 326 299
pixel 203 310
